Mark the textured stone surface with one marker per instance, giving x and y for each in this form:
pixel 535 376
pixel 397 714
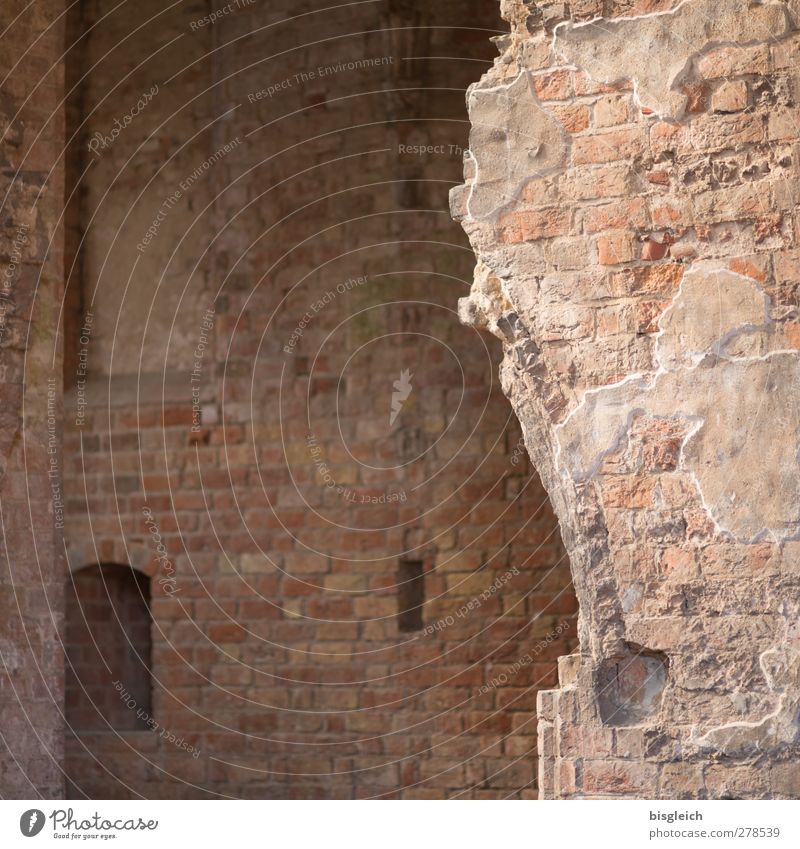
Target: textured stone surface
pixel 645 289
pixel 31 499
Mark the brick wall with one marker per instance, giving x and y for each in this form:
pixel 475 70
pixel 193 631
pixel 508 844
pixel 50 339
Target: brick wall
pixel 238 409
pixel 31 564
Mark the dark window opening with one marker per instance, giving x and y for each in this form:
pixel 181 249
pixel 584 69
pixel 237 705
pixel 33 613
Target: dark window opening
pixel 410 595
pixel 108 649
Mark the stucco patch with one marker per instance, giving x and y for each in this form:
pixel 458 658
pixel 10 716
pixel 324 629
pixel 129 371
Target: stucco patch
pixel 657 50
pixel 512 140
pixel 780 728
pixel 750 485
pixel 713 307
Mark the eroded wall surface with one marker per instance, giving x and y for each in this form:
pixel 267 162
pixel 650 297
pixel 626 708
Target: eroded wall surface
pixel 631 194
pixel 31 499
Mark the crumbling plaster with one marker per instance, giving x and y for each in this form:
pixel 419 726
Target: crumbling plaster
pixel 631 197
pixel 656 51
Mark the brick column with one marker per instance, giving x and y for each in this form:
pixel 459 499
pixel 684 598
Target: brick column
pixel 631 196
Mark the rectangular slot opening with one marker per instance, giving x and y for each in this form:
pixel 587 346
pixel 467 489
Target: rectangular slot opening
pixel 410 595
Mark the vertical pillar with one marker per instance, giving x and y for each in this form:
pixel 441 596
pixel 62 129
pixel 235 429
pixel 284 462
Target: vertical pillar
pixel 31 504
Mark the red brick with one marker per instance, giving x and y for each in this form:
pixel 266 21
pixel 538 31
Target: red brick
pixel 608 147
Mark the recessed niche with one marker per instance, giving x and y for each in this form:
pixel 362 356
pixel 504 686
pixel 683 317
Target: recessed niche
pixel 630 687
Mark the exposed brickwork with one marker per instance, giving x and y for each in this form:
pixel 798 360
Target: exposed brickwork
pixel 638 246
pixel 31 564
pixel 287 504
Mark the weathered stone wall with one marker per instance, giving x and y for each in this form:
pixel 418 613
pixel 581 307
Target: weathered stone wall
pixel 31 561
pixel 632 197
pixel 284 292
